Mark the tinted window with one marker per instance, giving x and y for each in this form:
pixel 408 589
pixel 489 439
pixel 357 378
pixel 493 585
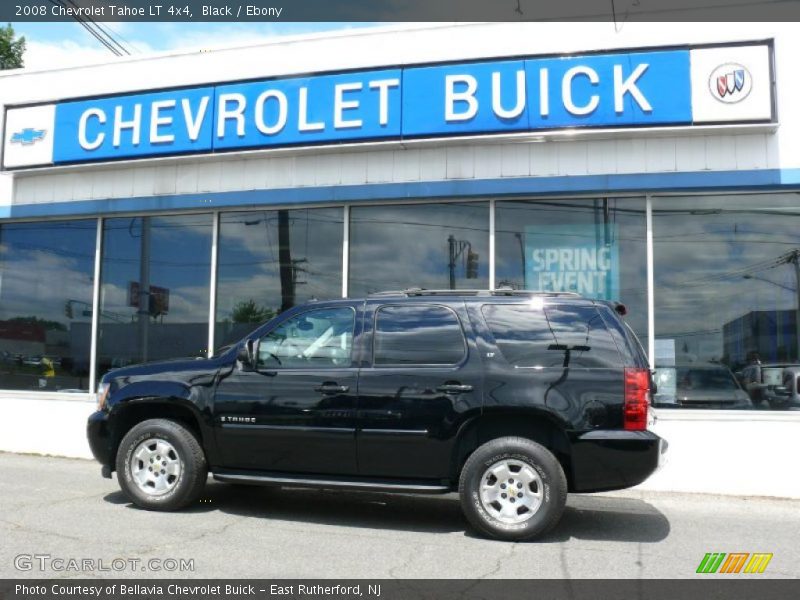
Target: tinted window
pixel 556 336
pixel 154 292
pixel 272 260
pixel 46 273
pixel 581 332
pixel 431 246
pixel 522 335
pixel 319 338
pixel 593 246
pixel 726 288
pixel 418 335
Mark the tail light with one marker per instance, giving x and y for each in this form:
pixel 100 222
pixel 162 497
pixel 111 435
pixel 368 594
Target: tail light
pixel 637 399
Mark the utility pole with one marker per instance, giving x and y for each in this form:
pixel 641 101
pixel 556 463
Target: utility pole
pixel 286 267
pixel 795 260
pixel 144 289
pixel 456 249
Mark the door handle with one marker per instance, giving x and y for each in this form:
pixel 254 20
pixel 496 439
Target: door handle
pixel 332 388
pixel 454 388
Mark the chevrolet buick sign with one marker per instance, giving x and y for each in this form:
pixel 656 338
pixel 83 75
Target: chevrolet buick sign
pixel 663 88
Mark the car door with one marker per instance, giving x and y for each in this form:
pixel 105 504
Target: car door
pixel 294 410
pixel 421 378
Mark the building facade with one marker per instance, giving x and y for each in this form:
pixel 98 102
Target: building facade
pixel 163 207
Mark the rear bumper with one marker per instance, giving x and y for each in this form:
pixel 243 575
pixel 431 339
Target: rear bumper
pixel 613 460
pixel 98 432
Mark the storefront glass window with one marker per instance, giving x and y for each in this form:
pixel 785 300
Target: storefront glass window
pixel 727 302
pixel 433 246
pixel 269 261
pixel 154 293
pixel 46 273
pixel 594 246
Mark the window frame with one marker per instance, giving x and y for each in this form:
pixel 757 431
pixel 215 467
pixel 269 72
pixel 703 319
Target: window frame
pixel 465 342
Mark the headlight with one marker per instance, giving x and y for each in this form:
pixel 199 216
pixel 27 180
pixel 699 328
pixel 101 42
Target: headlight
pixel 102 394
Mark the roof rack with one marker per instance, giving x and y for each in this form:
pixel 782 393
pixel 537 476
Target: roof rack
pixel 503 291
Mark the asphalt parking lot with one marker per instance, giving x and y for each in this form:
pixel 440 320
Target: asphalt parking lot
pixel 63 509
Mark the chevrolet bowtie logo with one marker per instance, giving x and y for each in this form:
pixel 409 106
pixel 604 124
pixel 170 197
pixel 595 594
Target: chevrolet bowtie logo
pixel 27 136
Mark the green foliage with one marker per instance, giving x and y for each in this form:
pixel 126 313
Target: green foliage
pixel 48 325
pixel 247 311
pixel 11 50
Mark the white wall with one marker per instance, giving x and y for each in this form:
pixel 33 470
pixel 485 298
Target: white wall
pixel 649 151
pixel 705 449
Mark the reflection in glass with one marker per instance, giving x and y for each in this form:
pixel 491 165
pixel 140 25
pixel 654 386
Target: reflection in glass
pixel 554 336
pixel 154 292
pixel 46 279
pixel 418 335
pixel 270 261
pixel 594 246
pixel 433 246
pixel 726 290
pixel 315 339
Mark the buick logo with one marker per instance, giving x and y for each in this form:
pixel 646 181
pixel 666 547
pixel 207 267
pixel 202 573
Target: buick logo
pixel 730 83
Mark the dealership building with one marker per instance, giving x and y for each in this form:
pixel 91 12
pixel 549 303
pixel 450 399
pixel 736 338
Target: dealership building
pixel 162 207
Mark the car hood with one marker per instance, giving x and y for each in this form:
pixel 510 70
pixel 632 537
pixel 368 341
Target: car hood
pixel 181 369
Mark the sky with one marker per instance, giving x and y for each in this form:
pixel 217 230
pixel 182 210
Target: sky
pixel 69 44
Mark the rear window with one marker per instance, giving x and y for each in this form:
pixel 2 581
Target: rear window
pixel 418 335
pixel 553 336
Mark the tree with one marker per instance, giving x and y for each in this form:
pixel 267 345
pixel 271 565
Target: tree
pixel 11 50
pixel 247 311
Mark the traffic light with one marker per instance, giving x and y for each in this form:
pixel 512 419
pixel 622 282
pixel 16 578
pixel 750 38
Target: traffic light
pixel 68 309
pixel 472 265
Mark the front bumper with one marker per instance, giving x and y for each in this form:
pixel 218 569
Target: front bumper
pixel 98 432
pixel 605 460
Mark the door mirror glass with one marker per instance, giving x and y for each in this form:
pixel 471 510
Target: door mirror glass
pixel 247 354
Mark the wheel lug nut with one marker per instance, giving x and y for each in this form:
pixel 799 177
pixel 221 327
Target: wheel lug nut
pixel 513 499
pixel 510 481
pixel 519 485
pixel 502 495
pixel 162 471
pixel 503 486
pixel 519 495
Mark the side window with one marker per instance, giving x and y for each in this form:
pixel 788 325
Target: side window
pixel 582 333
pixel 418 335
pixel 554 336
pixel 522 335
pixel 313 339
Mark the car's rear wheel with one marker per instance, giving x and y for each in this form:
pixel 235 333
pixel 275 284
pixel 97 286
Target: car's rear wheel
pixel 513 489
pixel 161 465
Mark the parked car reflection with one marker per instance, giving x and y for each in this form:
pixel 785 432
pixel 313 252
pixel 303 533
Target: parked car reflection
pixel 699 385
pixel 761 382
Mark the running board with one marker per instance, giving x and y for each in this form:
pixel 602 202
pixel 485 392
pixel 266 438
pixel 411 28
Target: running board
pixel 381 486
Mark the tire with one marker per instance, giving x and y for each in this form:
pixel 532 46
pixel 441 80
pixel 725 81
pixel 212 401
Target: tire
pixel 540 486
pixel 179 479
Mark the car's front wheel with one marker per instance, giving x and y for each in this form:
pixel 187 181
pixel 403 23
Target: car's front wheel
pixel 161 465
pixel 513 489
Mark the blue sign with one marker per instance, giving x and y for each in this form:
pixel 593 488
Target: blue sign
pixel 573 258
pixel 603 90
pixel 170 122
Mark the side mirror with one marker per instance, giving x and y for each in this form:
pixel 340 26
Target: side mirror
pixel 247 354
pixel 781 390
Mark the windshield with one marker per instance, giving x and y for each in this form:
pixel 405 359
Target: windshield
pixel 694 378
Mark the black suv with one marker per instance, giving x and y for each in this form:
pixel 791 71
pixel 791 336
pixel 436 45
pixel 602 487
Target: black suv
pixel 511 398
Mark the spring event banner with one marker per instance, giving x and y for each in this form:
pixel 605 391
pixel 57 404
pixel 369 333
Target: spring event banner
pixel 573 258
